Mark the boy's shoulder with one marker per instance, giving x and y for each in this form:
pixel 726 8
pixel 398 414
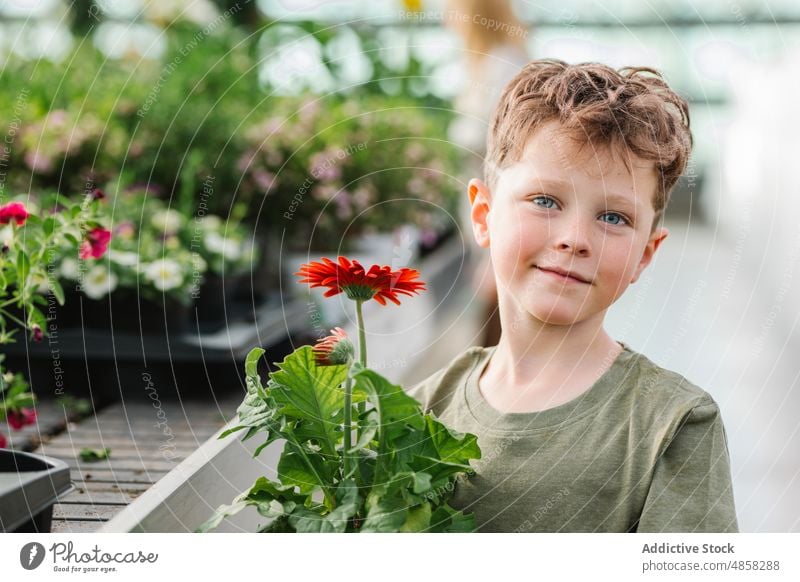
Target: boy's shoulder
pixel 440 386
pixel 647 379
pixel 640 380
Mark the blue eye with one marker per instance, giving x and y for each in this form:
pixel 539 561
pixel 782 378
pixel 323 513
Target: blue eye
pixel 545 199
pixel 621 219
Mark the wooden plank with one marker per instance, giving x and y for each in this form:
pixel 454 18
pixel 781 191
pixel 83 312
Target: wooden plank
pixel 131 432
pixel 90 497
pixel 120 452
pixel 72 526
pixel 82 441
pixel 199 435
pixel 121 486
pixel 121 464
pixel 112 476
pixel 82 512
pixel 152 425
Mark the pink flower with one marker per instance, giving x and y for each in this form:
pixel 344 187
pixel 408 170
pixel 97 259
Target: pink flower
pixel 96 243
pixel 21 418
pixel 15 211
pixel 37 334
pixel 38 162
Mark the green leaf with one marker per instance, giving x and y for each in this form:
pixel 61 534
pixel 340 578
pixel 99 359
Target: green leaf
pixel 221 513
pixel 49 225
pixel 255 412
pixel 438 451
pixel 450 445
pixel 58 290
pixel 293 469
pixel 347 504
pixel 447 520
pixel 315 521
pixel 396 409
pixel 418 520
pixel 23 267
pixel 369 427
pixel 269 498
pixel 311 394
pixel 251 363
pixel 88 455
pixel 385 516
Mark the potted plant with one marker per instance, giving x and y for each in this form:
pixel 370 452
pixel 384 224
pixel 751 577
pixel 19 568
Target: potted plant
pixel 330 177
pixel 31 484
pixel 359 454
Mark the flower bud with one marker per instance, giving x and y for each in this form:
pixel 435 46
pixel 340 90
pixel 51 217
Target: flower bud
pixel 334 349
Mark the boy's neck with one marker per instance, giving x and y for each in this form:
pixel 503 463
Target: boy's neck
pixel 531 351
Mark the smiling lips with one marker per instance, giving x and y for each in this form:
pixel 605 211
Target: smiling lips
pixel 563 275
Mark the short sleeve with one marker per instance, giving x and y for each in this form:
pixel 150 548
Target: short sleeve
pixel 691 490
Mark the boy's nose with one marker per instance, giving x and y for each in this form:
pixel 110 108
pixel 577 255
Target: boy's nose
pixel 572 238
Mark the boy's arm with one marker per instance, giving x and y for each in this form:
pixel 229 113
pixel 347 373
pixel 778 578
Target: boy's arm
pixel 691 489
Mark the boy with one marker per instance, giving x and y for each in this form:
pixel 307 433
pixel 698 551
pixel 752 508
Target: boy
pixel 580 433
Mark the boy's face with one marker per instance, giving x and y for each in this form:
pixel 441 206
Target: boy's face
pixel 560 207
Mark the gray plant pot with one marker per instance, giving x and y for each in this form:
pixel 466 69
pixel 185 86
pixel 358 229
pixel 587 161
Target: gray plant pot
pixel 29 487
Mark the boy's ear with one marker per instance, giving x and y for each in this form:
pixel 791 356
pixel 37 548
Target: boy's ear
pixel 480 198
pixel 655 241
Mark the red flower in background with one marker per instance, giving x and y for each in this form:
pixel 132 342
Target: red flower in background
pixel 96 243
pixel 15 211
pixel 379 283
pixel 334 349
pixel 21 418
pixel 3 441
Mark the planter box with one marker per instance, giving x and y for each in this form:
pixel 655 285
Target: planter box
pixel 106 365
pixel 29 486
pixel 399 337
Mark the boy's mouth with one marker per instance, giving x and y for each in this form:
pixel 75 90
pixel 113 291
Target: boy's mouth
pixel 563 274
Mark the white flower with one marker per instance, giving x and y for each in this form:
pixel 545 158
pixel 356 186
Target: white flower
pixel 165 274
pixel 40 282
pixel 210 223
pixel 229 248
pixel 167 221
pixel 71 269
pixel 98 282
pixel 199 263
pixel 124 258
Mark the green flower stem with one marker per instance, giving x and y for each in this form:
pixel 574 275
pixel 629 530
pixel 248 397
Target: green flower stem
pixel 362 335
pixel 362 354
pixel 12 318
pixel 348 422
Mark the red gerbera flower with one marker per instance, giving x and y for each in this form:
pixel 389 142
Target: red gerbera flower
pixel 15 211
pixel 379 283
pixel 96 243
pixel 334 349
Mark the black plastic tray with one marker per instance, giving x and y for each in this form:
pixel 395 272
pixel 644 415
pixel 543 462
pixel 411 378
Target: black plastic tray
pixel 29 487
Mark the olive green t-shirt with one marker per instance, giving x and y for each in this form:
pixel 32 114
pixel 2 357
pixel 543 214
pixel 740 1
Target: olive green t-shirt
pixel 642 450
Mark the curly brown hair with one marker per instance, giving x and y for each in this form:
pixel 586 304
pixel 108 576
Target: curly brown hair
pixel 630 110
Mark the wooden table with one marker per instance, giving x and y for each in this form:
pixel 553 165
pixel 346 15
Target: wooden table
pixel 146 442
